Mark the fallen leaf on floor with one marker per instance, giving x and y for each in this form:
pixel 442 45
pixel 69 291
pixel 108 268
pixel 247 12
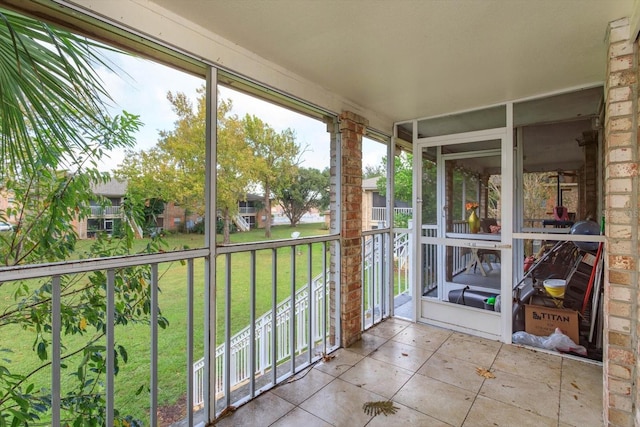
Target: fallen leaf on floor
pixel 225 412
pixel 484 373
pixel 327 357
pixel 404 354
pixel 575 385
pixel 575 396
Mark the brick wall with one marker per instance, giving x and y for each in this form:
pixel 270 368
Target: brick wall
pixel 621 214
pixel 352 128
pixel 171 212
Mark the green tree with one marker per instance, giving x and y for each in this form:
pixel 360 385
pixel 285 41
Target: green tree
pixel 235 165
pixel 374 171
pixel 146 173
pixel 306 191
pixel 174 169
pixel 53 131
pixel 403 186
pixel 403 180
pixel 276 157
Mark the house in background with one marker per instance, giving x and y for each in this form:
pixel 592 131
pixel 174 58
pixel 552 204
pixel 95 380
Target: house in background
pixel 106 212
pixel 374 206
pixel 251 214
pixel 250 210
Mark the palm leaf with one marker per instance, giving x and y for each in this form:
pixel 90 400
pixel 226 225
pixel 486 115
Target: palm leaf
pixel 385 407
pixel 51 100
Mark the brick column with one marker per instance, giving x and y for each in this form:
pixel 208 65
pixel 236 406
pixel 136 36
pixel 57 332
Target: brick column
pixel 352 128
pixel 621 212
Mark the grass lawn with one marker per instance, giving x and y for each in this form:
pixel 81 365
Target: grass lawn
pixel 172 367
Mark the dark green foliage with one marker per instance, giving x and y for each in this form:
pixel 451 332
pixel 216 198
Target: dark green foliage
pixel 308 189
pixel 53 132
pixel 153 207
pixel 199 228
pixel 401 220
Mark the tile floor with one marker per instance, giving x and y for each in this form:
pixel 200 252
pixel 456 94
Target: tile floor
pixel 430 375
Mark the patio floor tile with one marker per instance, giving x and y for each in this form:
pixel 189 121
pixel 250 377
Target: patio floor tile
pixel 261 411
pixel 525 393
pixel 429 374
pixel 479 351
pixel 487 412
pixel 340 403
pixel 302 386
pixel 439 400
pixel 423 336
pixel 299 417
pixel 368 372
pixel 453 371
pixel 402 355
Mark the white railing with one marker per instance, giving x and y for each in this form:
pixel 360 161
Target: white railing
pixel 460 255
pixel 375 288
pixel 401 260
pixel 247 210
pixel 113 269
pixel 240 342
pixel 306 326
pixel 241 223
pixel 293 334
pixel 102 211
pixel 380 214
pixel 377 298
pixel 429 260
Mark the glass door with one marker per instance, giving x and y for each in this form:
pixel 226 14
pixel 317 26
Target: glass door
pixel 464 215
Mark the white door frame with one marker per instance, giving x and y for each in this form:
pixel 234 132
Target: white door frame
pixel 458 317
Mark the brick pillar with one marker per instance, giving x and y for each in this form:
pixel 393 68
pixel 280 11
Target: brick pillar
pixel 621 212
pixel 352 128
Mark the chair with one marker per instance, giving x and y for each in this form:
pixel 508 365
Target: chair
pixel 483 254
pixel 486 223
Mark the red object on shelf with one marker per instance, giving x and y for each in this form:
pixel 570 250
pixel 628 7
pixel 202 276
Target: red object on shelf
pixel 528 262
pixel 560 213
pixel 587 294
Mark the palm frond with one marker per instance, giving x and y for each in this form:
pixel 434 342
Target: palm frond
pixel 51 100
pixel 384 407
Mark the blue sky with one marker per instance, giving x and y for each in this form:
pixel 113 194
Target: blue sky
pixel 143 89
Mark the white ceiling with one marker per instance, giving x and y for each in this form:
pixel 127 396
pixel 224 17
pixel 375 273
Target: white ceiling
pixel 409 59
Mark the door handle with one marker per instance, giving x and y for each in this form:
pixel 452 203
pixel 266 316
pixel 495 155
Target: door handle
pixel 489 245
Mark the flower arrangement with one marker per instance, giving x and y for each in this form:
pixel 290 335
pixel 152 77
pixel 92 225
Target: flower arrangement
pixel 471 206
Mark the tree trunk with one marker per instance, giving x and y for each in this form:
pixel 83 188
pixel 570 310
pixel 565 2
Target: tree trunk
pixel 226 236
pixel 267 206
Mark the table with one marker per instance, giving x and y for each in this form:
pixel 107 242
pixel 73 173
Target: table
pixel 475 260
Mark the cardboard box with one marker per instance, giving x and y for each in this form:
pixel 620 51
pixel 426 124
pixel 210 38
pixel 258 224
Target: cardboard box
pixel 543 321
